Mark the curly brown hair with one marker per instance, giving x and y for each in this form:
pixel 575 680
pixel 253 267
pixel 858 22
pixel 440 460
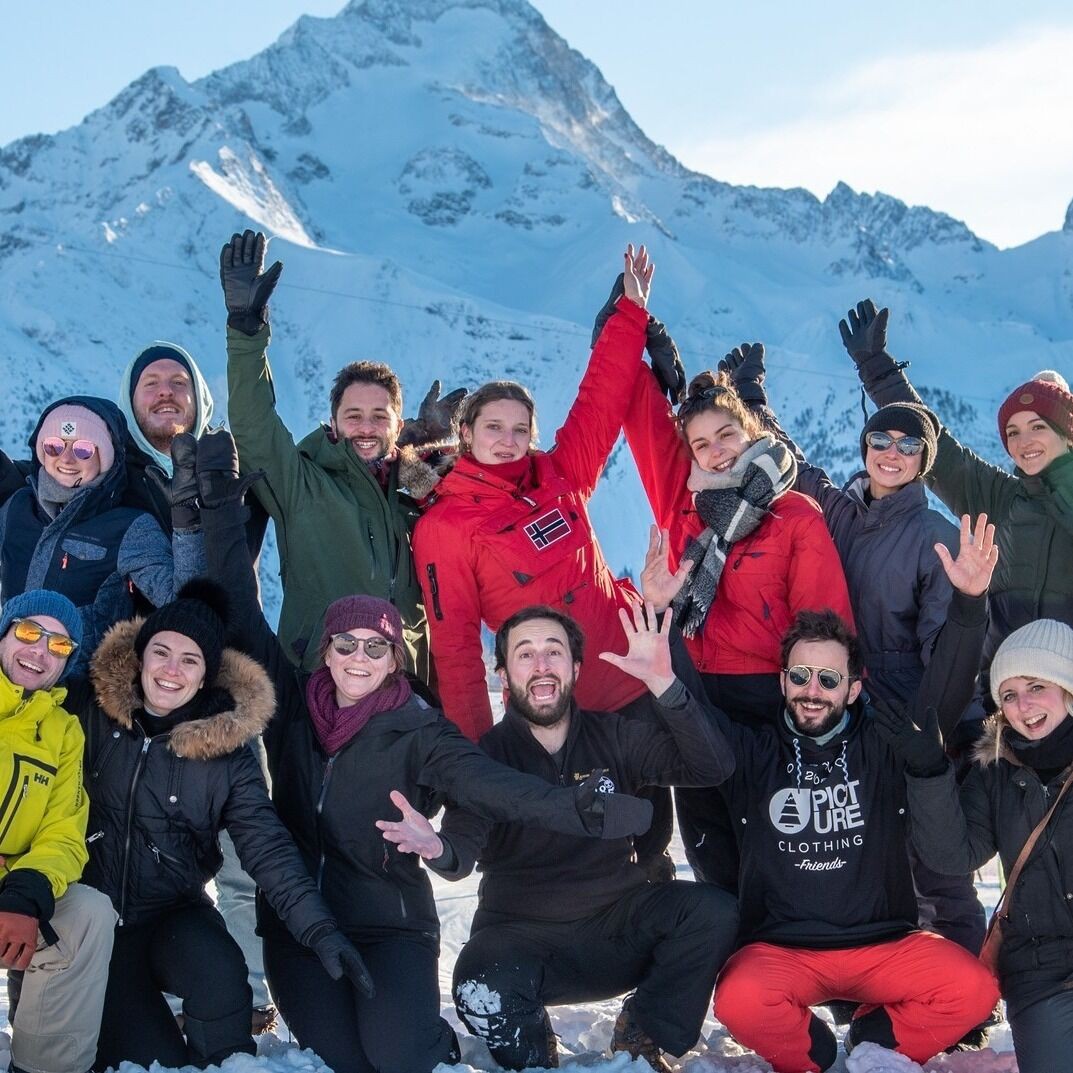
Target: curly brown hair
pixel 710 391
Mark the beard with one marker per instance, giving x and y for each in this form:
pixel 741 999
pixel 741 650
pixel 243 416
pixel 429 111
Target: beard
pixel 545 714
pixel 805 722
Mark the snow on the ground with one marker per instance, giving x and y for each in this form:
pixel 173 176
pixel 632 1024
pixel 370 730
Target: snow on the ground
pixel 585 1031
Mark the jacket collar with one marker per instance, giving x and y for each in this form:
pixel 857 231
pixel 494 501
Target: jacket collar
pixel 115 670
pixel 909 499
pixel 519 729
pixel 14 700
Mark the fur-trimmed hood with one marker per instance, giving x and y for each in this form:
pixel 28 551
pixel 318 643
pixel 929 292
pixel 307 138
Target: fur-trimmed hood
pixel 115 671
pixel 991 746
pixel 422 467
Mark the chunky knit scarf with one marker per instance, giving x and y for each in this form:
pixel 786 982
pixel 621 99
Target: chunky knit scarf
pixel 731 504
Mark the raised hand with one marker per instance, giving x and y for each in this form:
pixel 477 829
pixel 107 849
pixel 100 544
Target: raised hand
pixel 247 287
pixel 745 365
pixel 970 573
pixel 637 275
pixel 864 331
pixel 618 289
pixel 920 748
pixel 666 361
pixel 649 655
pixel 435 419
pixel 413 833
pixel 180 489
pixel 659 586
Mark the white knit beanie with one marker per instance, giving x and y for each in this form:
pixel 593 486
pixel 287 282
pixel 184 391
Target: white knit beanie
pixel 1043 649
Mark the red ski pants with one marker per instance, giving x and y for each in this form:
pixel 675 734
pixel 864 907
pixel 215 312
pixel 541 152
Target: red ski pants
pixel 932 990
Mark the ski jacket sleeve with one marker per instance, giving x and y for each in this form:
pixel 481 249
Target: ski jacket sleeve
pixel 593 424
pixel 453 604
pixel 951 828
pixel 815 579
pixel 268 852
pixel 934 596
pixel 156 565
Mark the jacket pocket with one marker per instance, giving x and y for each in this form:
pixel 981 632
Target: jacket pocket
pixel 84 550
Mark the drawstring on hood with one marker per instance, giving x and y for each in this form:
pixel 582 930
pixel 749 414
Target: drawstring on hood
pixel 843 757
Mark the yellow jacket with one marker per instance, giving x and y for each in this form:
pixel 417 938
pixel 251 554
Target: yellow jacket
pixel 43 805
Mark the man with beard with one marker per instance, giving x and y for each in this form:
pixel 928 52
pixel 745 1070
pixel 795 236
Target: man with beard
pixel 343 520
pixel 819 799
pixel 560 920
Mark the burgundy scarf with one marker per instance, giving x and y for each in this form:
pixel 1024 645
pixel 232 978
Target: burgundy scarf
pixel 335 726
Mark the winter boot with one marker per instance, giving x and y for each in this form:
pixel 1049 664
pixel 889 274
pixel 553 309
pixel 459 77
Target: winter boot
pixel 630 1037
pixel 872 1027
pixel 210 1042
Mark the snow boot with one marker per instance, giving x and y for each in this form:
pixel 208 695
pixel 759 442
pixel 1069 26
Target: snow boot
pixel 873 1027
pixel 630 1037
pixel 210 1042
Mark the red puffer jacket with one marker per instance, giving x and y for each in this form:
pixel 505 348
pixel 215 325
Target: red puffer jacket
pixel 789 563
pixel 487 548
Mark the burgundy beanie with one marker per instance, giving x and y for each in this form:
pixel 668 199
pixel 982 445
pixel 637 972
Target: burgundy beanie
pixel 1046 394
pixel 362 613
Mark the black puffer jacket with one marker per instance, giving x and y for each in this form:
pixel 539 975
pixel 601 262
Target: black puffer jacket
pixel 995 810
pixel 157 804
pixel 331 803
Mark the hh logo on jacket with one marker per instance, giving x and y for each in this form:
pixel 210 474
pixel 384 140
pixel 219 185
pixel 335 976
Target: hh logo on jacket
pixel 547 529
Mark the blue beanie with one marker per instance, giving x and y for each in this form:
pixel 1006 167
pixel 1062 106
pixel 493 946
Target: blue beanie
pixel 43 602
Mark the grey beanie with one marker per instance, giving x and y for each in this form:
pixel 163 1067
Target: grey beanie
pixel 1043 649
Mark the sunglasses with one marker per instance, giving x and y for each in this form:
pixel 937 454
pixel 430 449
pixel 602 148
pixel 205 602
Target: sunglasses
pixel 375 647
pixel 801 674
pixel 83 450
pixel 907 445
pixel 28 632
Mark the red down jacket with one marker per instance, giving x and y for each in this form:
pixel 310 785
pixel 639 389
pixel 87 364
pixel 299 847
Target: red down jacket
pixel 789 563
pixel 487 548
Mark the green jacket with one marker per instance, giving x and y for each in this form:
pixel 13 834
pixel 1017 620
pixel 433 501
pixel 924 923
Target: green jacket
pixel 43 806
pixel 338 532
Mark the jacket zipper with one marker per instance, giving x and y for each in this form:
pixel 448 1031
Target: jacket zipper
pixel 146 742
pixel 15 809
pixel 159 854
pixel 434 588
pixel 326 778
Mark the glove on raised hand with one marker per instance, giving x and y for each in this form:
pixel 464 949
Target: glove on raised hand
pixel 180 489
pixel 340 958
pixel 247 287
pixel 919 747
pixel 435 419
pixel 745 366
pixel 218 479
pixel 666 361
pixel 864 331
pixel 611 815
pixel 618 289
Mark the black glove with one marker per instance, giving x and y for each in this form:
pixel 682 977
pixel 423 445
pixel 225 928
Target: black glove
pixel 864 331
pixel 218 480
pixel 246 287
pixel 180 489
pixel 617 291
pixel 919 747
pixel 610 815
pixel 340 958
pixel 435 419
pixel 666 362
pixel 745 366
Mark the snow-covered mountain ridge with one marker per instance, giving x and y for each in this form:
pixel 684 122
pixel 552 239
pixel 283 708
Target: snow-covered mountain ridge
pixel 450 186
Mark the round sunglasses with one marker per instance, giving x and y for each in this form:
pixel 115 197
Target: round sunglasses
pixel 907 445
pixel 800 674
pixel 83 450
pixel 375 647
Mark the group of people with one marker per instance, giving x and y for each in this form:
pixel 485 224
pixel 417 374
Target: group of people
pixel 855 701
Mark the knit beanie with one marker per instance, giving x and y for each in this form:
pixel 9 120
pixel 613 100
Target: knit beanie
pixel 1046 394
pixel 1043 649
pixel 198 612
pixel 910 419
pixel 362 613
pixel 71 422
pixel 160 351
pixel 43 602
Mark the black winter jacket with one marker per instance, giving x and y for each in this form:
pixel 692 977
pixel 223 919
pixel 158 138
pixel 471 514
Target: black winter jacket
pixel 158 804
pixel 823 829
pixel 547 876
pixel 958 830
pixel 330 803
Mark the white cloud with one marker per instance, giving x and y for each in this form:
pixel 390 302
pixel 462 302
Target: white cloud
pixel 983 134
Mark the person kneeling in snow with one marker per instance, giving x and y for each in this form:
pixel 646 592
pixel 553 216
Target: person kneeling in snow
pixel 563 919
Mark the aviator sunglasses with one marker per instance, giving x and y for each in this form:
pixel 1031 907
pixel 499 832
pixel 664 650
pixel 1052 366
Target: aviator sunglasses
pixel 801 674
pixel 375 647
pixel 907 445
pixel 83 450
pixel 28 632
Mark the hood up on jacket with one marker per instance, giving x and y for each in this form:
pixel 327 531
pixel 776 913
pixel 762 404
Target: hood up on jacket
pixel 115 672
pixel 203 402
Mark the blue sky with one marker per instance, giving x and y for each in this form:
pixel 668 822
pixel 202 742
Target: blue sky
pixel 961 106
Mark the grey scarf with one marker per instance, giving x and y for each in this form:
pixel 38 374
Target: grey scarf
pixel 54 496
pixel 731 505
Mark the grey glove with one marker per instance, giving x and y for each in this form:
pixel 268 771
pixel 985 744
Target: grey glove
pixel 340 958
pixel 745 366
pixel 180 489
pixel 435 419
pixel 918 746
pixel 247 287
pixel 864 331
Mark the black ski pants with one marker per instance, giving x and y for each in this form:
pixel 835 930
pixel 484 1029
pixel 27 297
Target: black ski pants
pixel 399 1030
pixel 1043 1034
pixel 667 940
pixel 186 952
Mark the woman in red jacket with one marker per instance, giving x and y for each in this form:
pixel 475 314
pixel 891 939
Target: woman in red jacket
pixel 509 525
pixel 761 552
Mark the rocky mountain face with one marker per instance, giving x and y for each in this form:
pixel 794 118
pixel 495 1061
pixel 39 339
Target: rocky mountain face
pixel 450 187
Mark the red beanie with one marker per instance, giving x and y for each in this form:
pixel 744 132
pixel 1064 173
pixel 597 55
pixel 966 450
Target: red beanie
pixel 1050 398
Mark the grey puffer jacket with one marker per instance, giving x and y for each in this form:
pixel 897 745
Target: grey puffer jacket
pixel 958 830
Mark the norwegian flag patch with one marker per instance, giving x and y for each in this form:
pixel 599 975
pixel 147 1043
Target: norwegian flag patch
pixel 547 529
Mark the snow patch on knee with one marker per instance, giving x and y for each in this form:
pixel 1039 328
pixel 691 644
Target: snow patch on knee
pixel 477 998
